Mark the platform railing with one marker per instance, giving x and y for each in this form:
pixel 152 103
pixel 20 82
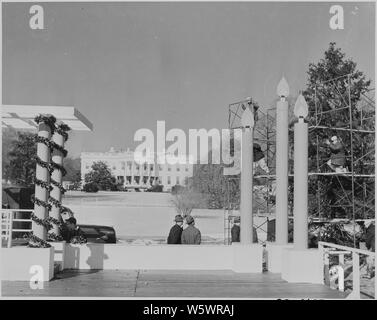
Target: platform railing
pixel 7 221
pixel 328 249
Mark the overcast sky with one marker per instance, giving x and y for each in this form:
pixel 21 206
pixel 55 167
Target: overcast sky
pixel 127 65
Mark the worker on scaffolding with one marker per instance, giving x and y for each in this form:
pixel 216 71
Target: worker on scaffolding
pixel 338 158
pixel 259 159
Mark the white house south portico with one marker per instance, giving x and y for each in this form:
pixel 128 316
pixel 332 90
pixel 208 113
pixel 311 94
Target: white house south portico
pixel 130 173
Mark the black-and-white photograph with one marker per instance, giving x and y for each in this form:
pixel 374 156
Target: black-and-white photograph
pixel 188 150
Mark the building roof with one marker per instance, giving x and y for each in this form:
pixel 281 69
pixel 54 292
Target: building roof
pixel 22 116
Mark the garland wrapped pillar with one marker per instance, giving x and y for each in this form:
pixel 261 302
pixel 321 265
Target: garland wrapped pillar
pixel 57 172
pixel 40 223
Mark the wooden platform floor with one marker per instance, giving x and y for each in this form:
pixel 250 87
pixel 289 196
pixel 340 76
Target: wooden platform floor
pixel 169 283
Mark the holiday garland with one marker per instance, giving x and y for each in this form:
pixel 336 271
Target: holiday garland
pixel 55 146
pixel 44 164
pixel 49 120
pixel 36 242
pixel 62 130
pixel 42 184
pixel 41 203
pixel 44 222
pixel 55 202
pixel 50 144
pixel 56 166
pixel 59 185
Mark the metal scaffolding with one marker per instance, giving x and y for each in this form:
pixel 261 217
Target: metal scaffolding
pixel 342 195
pixel 264 184
pixel 349 195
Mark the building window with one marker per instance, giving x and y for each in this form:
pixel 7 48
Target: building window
pixel 178 169
pixel 187 169
pixel 169 180
pixel 123 165
pixel 160 167
pixel 177 180
pixel 145 167
pixel 151 167
pixel 169 168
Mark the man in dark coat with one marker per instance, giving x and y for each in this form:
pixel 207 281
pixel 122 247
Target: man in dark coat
pixel 370 238
pixel 338 158
pixel 72 232
pixel 236 231
pixel 191 235
pixel 371 246
pixel 176 231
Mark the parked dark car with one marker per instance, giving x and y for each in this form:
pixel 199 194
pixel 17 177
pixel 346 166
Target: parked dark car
pixel 98 234
pixel 93 234
pixel 156 188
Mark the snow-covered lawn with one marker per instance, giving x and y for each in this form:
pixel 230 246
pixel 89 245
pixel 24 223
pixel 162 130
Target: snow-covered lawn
pixel 139 215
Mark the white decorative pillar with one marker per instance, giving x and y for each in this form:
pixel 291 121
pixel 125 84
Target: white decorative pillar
pixel 156 170
pixel 42 182
pixel 125 172
pixel 246 207
pixel 141 167
pixel 282 163
pixel 132 172
pixel 56 179
pixel 300 264
pixel 247 257
pixel 300 209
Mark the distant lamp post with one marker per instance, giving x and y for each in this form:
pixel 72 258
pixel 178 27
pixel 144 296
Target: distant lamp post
pixel 282 163
pixel 300 208
pixel 246 207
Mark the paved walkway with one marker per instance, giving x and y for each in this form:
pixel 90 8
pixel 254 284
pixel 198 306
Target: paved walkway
pixel 169 283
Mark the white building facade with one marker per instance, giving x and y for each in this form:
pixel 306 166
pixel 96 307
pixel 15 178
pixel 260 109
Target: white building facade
pixel 132 174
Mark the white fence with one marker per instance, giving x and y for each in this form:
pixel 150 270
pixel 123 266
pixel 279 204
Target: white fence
pixel 328 249
pixel 8 218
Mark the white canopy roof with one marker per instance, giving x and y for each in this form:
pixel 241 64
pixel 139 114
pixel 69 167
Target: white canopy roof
pixel 22 116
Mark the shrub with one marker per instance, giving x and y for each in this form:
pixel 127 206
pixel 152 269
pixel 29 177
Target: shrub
pixel 185 200
pixel 90 187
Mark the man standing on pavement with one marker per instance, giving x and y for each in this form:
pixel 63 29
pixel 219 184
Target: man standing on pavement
pixel 176 231
pixel 191 235
pixel 236 230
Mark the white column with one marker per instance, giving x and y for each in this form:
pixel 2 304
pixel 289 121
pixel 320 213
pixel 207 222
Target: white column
pixel 56 175
pixel 246 206
pixel 156 169
pixel 125 173
pixel 300 211
pixel 282 164
pixel 300 208
pixel 42 174
pixel 132 171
